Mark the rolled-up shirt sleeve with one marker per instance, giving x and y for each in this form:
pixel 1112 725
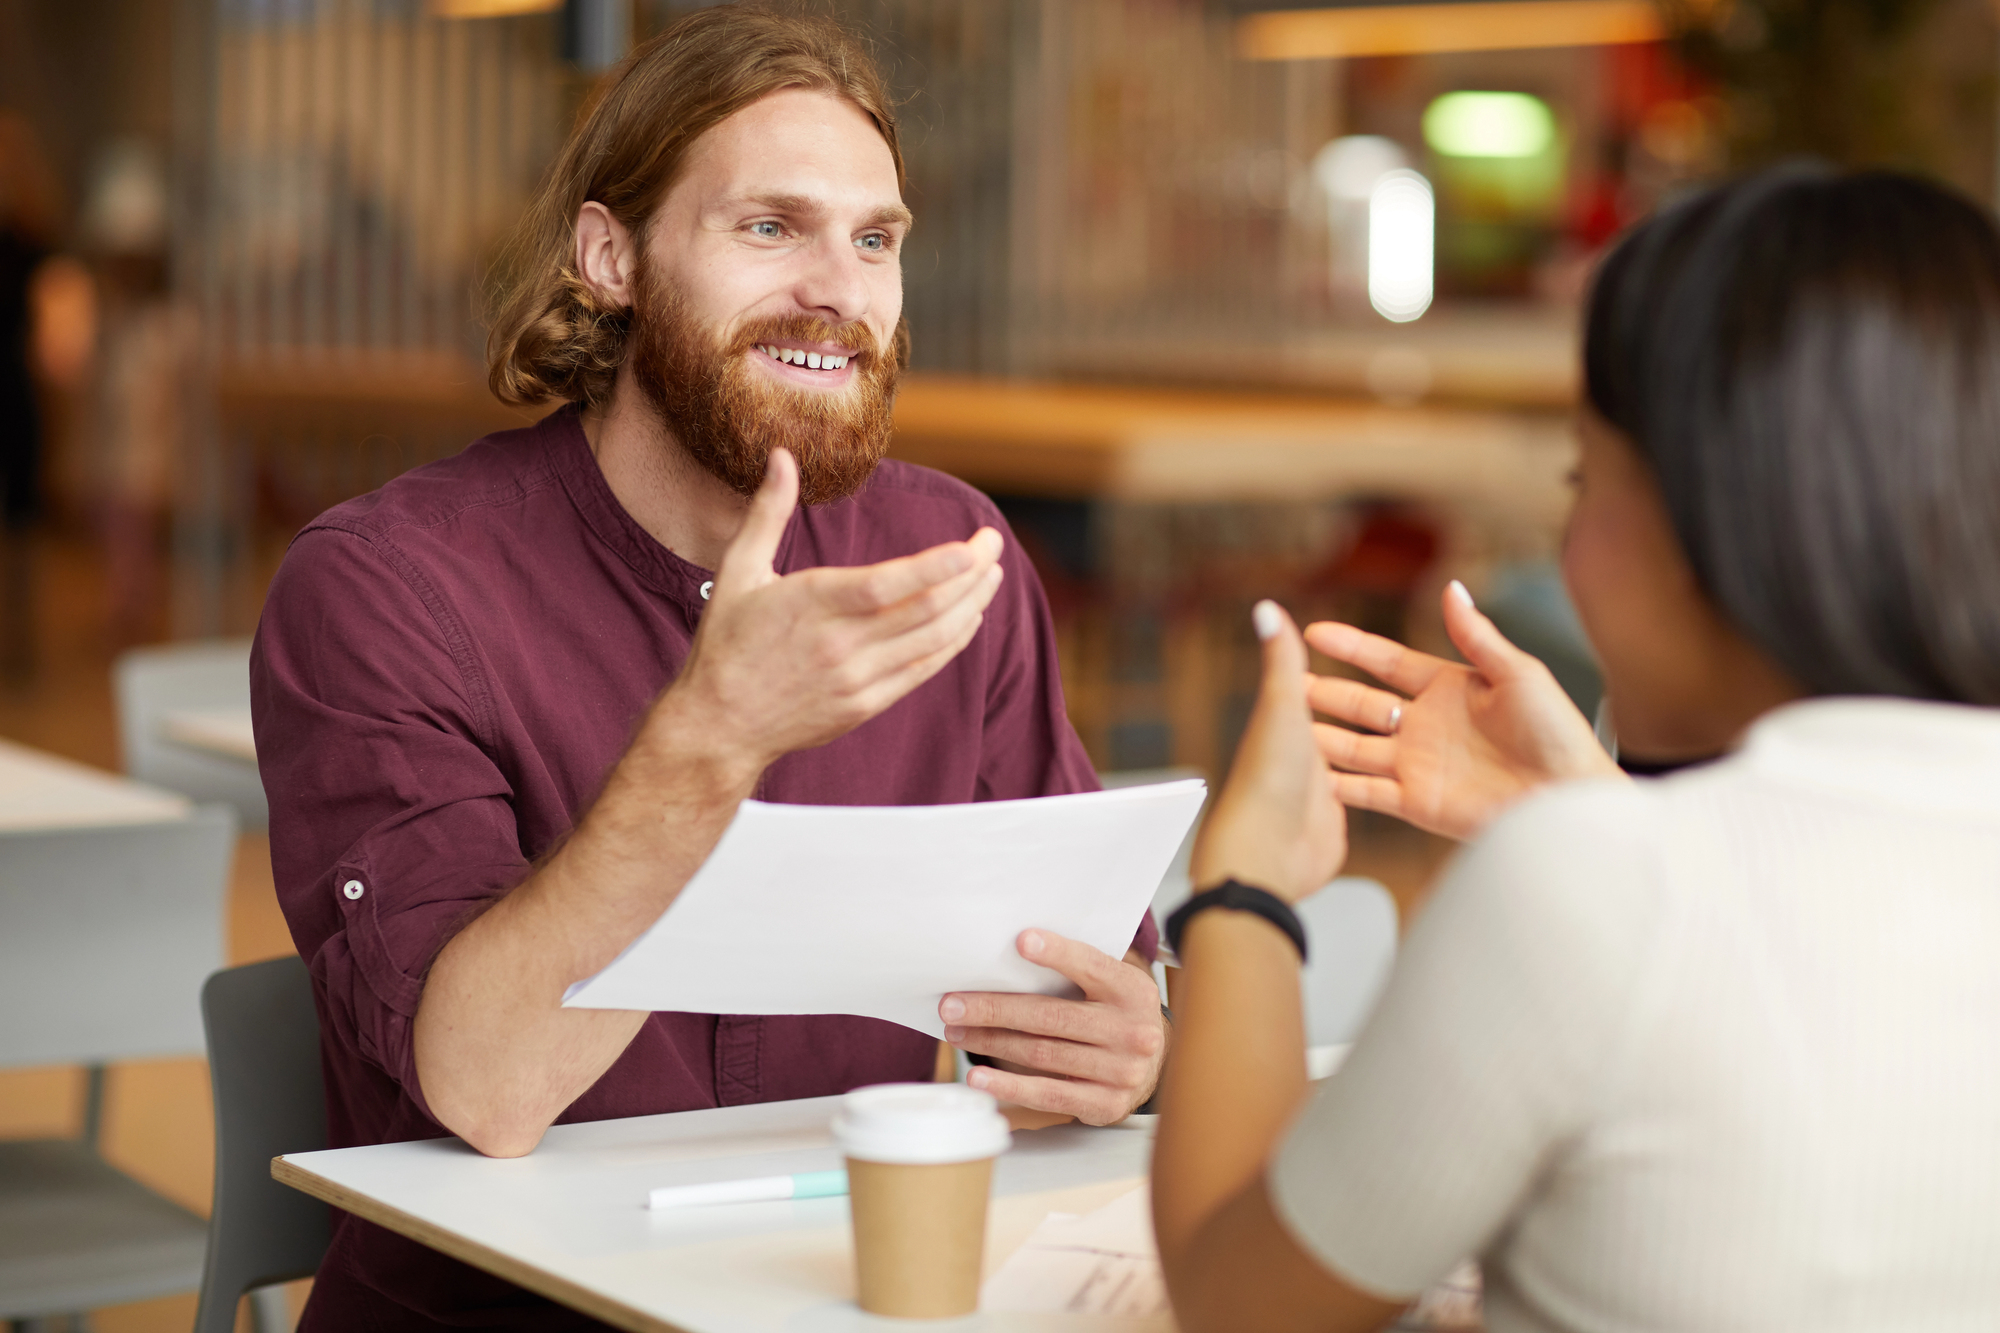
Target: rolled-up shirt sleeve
pixel 391 824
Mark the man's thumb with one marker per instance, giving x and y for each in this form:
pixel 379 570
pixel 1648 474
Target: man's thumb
pixel 751 554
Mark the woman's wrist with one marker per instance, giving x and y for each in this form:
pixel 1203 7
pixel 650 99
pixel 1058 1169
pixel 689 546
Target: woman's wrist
pixel 1233 897
pixel 1230 940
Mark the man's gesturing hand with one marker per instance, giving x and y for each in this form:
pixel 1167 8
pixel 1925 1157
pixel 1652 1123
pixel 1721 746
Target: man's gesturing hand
pixel 1096 1058
pixel 787 663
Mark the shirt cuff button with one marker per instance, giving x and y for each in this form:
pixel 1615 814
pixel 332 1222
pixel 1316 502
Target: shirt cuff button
pixel 706 589
pixel 352 888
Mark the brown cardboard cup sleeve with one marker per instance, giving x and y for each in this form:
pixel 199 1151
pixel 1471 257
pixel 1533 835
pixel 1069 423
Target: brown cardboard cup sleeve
pixel 919 1170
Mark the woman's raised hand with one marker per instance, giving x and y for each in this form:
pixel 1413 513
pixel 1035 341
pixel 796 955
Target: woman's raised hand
pixel 1468 740
pixel 1277 825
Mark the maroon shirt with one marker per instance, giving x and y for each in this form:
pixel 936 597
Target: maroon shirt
pixel 445 672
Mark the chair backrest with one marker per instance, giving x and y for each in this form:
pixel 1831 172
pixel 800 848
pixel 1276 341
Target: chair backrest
pixel 263 1063
pixel 1351 931
pixel 152 682
pixel 106 934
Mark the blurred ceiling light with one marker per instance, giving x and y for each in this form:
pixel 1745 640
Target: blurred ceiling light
pixel 1468 124
pixel 1348 167
pixel 1491 25
pixel 1402 226
pixel 491 9
pixel 126 209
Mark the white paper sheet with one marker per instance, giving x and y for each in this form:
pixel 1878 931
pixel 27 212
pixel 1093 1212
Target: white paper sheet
pixel 816 909
pixel 1101 1263
pixel 1107 1263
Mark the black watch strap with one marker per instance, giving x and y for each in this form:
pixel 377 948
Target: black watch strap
pixel 1238 897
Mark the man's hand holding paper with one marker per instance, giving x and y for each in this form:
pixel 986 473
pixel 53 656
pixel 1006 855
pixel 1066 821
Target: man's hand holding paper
pixel 1096 1058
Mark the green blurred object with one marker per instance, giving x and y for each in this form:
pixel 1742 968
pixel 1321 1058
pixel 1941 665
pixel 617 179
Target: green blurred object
pixel 1500 163
pixel 1505 125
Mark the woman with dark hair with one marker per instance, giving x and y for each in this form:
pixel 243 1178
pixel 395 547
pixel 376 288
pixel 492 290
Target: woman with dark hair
pixel 1715 1051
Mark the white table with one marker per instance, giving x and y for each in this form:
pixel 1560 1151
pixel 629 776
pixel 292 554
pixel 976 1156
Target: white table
pixel 222 731
pixel 570 1220
pixel 44 791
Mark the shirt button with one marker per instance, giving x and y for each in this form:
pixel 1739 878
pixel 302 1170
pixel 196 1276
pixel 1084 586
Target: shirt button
pixel 706 588
pixel 352 888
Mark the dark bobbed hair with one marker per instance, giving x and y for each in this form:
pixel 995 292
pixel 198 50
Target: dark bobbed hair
pixel 1810 362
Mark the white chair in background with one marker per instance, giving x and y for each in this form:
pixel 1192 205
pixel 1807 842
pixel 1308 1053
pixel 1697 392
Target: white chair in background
pixel 106 935
pixel 197 689
pixel 1350 929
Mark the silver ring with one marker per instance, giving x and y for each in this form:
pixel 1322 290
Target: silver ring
pixel 1395 719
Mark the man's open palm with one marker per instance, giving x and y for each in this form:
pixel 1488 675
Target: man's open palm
pixel 788 662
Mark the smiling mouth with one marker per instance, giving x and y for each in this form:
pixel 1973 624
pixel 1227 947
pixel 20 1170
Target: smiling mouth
pixel 793 356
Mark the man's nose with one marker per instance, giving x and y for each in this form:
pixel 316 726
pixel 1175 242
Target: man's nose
pixel 833 283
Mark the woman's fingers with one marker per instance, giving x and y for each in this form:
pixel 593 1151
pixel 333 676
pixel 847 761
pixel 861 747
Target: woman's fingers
pixel 1351 701
pixel 1484 646
pixel 1284 651
pixel 1361 792
pixel 1355 752
pixel 1385 659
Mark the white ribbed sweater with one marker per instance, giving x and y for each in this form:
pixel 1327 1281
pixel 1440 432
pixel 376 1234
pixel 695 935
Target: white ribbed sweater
pixel 1715 1052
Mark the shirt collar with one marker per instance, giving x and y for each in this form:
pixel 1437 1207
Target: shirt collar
pixel 656 566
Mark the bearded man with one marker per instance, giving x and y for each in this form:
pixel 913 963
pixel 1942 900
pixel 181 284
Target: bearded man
pixel 507 704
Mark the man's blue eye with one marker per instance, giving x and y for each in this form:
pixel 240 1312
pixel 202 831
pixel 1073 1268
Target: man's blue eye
pixel 765 228
pixel 873 242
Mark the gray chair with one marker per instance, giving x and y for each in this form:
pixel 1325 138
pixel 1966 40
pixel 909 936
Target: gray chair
pixel 105 936
pixel 263 1062
pixel 152 682
pixel 1351 928
pixel 1350 924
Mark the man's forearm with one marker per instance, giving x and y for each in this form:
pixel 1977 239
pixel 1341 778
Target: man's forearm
pixel 497 1056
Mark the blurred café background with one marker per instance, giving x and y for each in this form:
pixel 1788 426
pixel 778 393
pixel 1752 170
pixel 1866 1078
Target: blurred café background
pixel 1220 299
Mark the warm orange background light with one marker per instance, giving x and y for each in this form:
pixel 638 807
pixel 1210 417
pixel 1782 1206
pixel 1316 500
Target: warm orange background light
pixel 490 9
pixel 1381 30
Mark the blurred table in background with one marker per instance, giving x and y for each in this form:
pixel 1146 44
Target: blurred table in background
pixel 1156 516
pixel 40 791
pixel 219 731
pixel 1154 445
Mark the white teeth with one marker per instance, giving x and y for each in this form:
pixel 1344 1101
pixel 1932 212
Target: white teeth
pixel 792 356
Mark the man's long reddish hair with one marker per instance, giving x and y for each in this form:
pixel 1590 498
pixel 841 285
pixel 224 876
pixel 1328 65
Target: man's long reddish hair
pixel 551 337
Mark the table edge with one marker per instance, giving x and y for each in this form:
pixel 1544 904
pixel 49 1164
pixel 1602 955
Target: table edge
pixel 540 1281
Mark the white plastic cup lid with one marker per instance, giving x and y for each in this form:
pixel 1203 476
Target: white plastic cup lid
pixel 920 1124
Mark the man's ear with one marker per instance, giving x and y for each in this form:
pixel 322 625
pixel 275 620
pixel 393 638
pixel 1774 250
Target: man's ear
pixel 606 255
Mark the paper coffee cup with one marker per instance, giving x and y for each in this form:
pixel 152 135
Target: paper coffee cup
pixel 919 1170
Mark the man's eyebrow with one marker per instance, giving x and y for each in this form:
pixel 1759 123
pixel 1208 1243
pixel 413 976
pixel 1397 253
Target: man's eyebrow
pixel 799 205
pixel 890 215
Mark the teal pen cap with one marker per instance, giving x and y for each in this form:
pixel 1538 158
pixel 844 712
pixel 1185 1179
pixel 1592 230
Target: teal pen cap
pixel 819 1184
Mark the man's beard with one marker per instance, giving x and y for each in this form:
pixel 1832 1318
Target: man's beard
pixel 729 415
